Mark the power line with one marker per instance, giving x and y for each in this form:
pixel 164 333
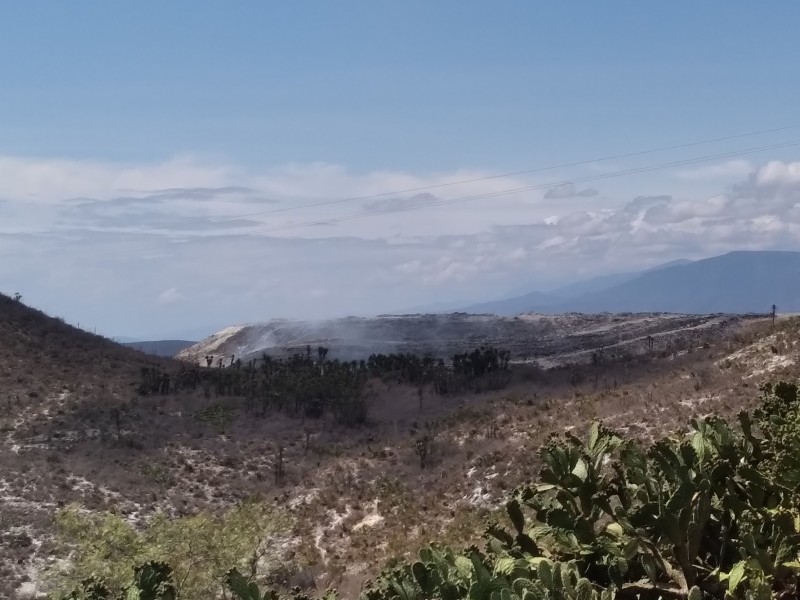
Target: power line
pixel 491 177
pixel 613 174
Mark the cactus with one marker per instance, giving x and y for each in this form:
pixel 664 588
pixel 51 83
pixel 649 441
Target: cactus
pixel 244 589
pixel 90 589
pixel 678 515
pixel 152 581
pixel 712 514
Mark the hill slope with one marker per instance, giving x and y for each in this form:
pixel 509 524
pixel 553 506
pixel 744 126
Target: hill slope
pixel 530 302
pixel 526 300
pixel 359 494
pixel 537 337
pixel 160 347
pixel 40 355
pixel 738 282
pixel 605 282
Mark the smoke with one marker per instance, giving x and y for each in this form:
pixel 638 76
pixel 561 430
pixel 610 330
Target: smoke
pixel 356 338
pixel 443 335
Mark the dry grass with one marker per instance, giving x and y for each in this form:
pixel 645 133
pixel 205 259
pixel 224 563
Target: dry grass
pixel 359 495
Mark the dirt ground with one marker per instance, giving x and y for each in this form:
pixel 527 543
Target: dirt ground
pixel 359 495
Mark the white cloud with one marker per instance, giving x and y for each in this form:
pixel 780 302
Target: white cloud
pixel 160 239
pixel 410 268
pixel 170 296
pixel 401 203
pixel 725 170
pixel 290 198
pixel 569 190
pixel 778 173
pixel 517 254
pixel 53 180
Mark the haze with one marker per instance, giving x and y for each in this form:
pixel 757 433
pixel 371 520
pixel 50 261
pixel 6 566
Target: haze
pixel 168 169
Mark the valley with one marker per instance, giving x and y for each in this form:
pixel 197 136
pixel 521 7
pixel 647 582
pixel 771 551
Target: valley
pixel 79 431
pixel 399 301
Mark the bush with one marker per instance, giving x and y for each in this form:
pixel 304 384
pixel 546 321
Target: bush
pixel 711 514
pixel 200 549
pixel 714 514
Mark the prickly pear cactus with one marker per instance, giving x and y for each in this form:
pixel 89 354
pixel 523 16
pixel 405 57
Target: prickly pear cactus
pixel 152 581
pixel 712 514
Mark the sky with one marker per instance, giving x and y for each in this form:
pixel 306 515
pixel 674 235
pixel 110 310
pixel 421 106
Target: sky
pixel 169 169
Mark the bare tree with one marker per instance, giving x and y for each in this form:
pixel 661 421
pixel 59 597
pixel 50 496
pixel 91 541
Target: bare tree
pixel 423 448
pixel 118 414
pixel 280 473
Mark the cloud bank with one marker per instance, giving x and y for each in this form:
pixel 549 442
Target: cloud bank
pixel 149 250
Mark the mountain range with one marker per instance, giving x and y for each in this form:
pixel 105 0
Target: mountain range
pixel 737 282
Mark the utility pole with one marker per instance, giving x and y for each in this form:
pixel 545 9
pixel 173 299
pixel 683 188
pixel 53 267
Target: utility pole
pixel 774 309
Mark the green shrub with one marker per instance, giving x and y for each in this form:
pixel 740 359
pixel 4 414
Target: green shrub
pixel 199 549
pixel 217 415
pixel 714 513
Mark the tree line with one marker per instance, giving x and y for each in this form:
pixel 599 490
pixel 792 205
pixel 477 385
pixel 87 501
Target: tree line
pixel 310 385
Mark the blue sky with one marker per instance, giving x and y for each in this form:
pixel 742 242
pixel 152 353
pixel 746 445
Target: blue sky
pixel 411 85
pixel 105 103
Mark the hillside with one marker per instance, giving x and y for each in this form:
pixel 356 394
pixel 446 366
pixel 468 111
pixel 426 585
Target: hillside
pixel 515 305
pixel 58 385
pixel 95 432
pixel 605 282
pixel 735 283
pixel 529 337
pixel 738 282
pixel 165 348
pixel 42 356
pixel 528 298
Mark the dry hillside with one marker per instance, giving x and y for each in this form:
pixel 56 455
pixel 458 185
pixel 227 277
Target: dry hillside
pixel 529 337
pixel 77 431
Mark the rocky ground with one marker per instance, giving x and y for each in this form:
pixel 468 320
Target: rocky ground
pixel 359 496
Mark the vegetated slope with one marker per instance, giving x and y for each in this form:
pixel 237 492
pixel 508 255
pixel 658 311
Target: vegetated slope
pixel 527 337
pixel 41 356
pixel 160 347
pixel 711 516
pixel 358 495
pixel 52 376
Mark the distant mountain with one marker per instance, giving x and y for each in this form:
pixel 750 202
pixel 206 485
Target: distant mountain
pixel 431 309
pixel 548 302
pixel 673 263
pixel 595 284
pixel 532 302
pixel 160 347
pixel 604 282
pixel 738 282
